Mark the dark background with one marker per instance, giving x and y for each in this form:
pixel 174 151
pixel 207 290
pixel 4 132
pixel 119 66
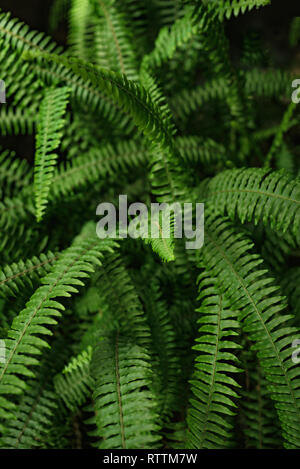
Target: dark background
pixel 33 12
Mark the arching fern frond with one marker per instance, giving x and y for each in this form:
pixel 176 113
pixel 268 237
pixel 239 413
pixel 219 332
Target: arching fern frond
pixel 126 93
pixel 169 40
pixel 22 38
pixel 228 8
pixel 117 40
pixel 262 315
pixel 213 388
pixel 17 277
pixel 42 310
pixel 256 194
pixel 49 126
pixel 79 38
pixel 75 383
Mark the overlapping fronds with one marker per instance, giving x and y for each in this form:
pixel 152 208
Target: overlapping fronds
pixel 165 357
pixel 116 42
pixel 169 40
pixel 259 83
pixel 128 94
pixel 34 417
pixel 121 296
pixel 262 313
pixel 169 102
pixel 80 31
pixel 16 278
pixel 257 194
pixel 42 311
pixel 75 383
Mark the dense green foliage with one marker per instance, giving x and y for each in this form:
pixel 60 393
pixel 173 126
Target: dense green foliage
pixel 139 343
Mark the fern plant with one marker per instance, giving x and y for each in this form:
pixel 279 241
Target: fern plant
pixel 130 343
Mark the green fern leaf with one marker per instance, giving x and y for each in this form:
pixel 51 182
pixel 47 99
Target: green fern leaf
pixel 122 397
pixel 42 310
pixel 213 387
pixel 50 124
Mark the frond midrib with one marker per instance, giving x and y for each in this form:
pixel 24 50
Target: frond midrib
pixel 277 354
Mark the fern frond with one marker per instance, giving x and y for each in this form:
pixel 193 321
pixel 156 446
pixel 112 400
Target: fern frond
pixel 122 373
pixel 21 84
pixel 169 40
pixel 32 420
pixel 228 8
pixel 257 82
pixel 126 93
pixel 49 126
pixel 84 94
pixel 75 383
pixel 212 386
pixel 16 122
pixel 117 39
pixel 42 310
pixel 79 38
pixel 239 276
pixel 100 163
pixel 165 361
pixel 21 38
pixel 257 194
pixel 37 411
pixel 195 150
pixel 17 277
